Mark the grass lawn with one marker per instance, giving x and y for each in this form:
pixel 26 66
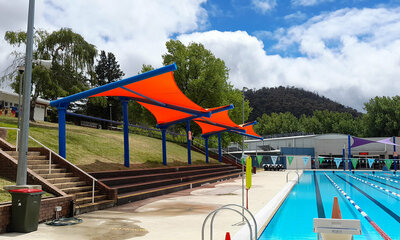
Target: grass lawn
pixel 96 149
pixel 4 195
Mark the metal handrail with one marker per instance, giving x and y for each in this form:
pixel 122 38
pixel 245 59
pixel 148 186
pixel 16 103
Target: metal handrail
pixel 228 207
pixel 53 152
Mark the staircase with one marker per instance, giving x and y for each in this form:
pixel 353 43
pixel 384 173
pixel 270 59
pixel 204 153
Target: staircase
pixel 68 182
pixel 135 185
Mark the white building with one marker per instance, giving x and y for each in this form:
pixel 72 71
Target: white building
pixel 10 100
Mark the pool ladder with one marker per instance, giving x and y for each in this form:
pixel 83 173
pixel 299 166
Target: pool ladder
pixel 230 207
pixel 287 176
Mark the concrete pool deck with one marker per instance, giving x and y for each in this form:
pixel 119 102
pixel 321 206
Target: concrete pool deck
pixel 174 216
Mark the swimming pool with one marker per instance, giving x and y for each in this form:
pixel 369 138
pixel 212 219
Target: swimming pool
pixel 377 194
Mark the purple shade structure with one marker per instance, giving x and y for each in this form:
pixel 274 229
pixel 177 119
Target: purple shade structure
pixel 359 142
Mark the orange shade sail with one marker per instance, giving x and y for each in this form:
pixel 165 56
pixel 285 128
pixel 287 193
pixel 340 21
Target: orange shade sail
pixel 218 122
pixel 250 131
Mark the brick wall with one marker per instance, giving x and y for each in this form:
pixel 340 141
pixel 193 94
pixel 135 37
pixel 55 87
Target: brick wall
pixel 47 211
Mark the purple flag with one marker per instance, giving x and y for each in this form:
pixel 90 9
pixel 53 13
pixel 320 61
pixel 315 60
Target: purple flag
pixel 359 141
pixel 386 141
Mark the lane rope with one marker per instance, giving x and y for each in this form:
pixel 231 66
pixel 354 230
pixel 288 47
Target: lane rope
pixel 373 185
pixel 384 178
pixel 363 213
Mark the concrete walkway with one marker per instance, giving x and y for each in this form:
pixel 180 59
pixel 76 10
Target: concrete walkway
pixel 171 217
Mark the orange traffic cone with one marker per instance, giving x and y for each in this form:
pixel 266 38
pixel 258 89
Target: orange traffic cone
pixel 336 209
pixel 227 236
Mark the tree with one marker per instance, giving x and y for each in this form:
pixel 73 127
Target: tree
pixel 382 117
pixel 72 63
pixel 107 71
pixel 204 79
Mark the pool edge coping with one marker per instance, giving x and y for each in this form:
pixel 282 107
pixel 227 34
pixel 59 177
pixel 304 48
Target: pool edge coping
pixel 265 215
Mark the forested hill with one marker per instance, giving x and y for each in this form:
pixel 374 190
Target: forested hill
pixel 290 99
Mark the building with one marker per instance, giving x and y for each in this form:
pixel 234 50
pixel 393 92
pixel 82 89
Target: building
pixel 9 101
pixel 326 146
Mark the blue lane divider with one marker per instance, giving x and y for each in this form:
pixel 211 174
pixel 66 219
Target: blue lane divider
pixel 373 185
pixel 363 213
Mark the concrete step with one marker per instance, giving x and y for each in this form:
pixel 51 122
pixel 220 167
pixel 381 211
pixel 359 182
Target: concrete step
pixel 73 190
pixel 46 171
pixel 38 162
pixel 33 157
pixel 158 191
pixel 14 153
pixel 43 166
pixel 125 188
pixel 56 175
pixel 66 185
pixel 160 176
pixel 97 198
pixel 85 194
pixel 89 207
pixel 63 179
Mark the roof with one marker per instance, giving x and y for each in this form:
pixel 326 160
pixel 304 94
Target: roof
pixel 15 95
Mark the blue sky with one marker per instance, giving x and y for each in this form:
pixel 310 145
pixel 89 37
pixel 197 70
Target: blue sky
pixel 346 50
pixel 233 15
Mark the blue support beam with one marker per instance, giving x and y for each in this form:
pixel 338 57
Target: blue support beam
pixel 348 141
pixel 164 146
pixel 206 147
pixel 126 130
pixel 219 148
pixel 188 142
pixel 394 150
pixel 61 130
pixel 344 159
pixel 113 85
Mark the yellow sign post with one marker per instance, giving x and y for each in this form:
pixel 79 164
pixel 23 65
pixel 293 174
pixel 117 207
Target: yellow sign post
pixel 248 179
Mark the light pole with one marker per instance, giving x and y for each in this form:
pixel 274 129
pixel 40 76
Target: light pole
pixel 110 112
pixel 244 89
pixel 21 69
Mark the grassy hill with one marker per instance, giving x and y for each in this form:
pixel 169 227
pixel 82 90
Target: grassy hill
pixel 97 149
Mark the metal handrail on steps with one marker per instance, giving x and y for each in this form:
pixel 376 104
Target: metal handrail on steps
pixel 94 180
pixel 230 207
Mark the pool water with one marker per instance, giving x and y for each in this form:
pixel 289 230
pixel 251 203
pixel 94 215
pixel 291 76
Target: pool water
pixel 313 197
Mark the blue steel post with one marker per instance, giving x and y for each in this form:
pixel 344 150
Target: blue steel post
pixel 164 146
pixel 188 142
pixel 348 141
pixel 126 131
pixel 219 148
pixel 394 150
pixel 344 159
pixel 206 147
pixel 61 131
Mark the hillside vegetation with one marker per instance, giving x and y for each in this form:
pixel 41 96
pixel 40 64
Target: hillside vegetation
pixel 95 149
pixel 290 99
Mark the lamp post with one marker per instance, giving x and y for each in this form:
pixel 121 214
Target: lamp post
pixel 244 89
pixel 110 112
pixel 21 69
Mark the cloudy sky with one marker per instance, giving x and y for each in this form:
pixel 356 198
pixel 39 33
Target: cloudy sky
pixel 347 50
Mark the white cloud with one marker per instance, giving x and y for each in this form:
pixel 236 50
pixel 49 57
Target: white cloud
pixel 349 55
pixel 136 30
pixel 295 16
pixel 263 5
pixel 308 3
